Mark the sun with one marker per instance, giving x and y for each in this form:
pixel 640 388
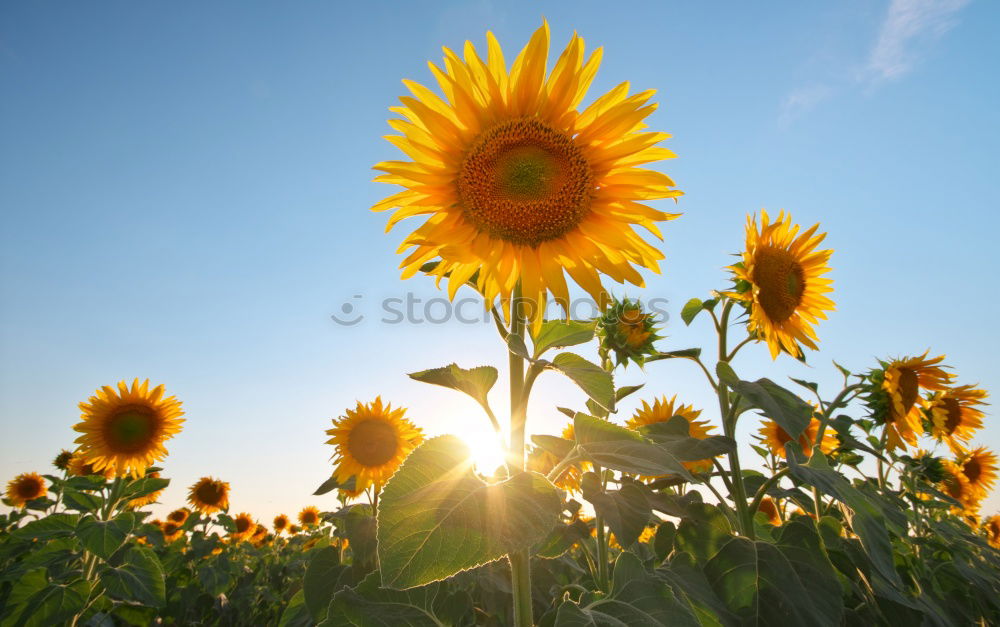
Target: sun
pixel 487 454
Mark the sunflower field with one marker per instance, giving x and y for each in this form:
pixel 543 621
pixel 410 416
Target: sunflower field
pixel 861 505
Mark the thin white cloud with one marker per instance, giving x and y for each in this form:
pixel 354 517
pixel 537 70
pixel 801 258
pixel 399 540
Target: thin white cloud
pixel 908 24
pixel 800 100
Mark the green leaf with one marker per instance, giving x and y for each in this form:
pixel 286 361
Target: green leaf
pixel 437 518
pixel 592 379
pixel 52 526
pixel 516 345
pixel 333 484
pixel 81 501
pixel 144 487
pixel 759 585
pixel 626 390
pixel 102 537
pixel 801 544
pixel 215 577
pixel 296 614
pixel 685 353
pixel 703 532
pixel 626 511
pixel 691 309
pixel 139 579
pixel 685 577
pixel 476 382
pixel 320 580
pixel 780 405
pixel 561 539
pixel 37 603
pixel 625 450
pixel 673 436
pixel 663 541
pixel 369 605
pixel 560 447
pixel 559 334
pixel 226 522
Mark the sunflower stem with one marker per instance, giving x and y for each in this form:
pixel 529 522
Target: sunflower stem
pixel 743 514
pixel 520 566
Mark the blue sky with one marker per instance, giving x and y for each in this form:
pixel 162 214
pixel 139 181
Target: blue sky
pixel 185 194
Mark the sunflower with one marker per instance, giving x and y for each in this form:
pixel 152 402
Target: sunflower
pixel 79 467
pixel 209 495
pixel 25 487
pixel 901 382
pixel 126 429
pixel 542 462
pixel 259 536
pixel 519 184
pixel 280 523
pixel 62 460
pixel 245 526
pixel 769 508
pixel 662 410
pixel 956 485
pixel 955 415
pixel 171 530
pixel 179 516
pixel 781 279
pixel 309 516
pixel 992 526
pixel 371 442
pixel 294 529
pixel 980 467
pixel 626 331
pixel 149 499
pixel 775 438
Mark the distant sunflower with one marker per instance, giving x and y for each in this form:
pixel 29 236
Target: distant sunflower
pixel 518 184
pixel 902 382
pixel 25 487
pixel 309 516
pixel 992 527
pixel 294 529
pixel 245 526
pixel 179 516
pixel 209 495
pixel 980 467
pixel 79 467
pixel 371 442
pixel 662 410
pixel 956 485
pixel 781 278
pixel 775 438
pixel 149 499
pixel 260 536
pixel 172 531
pixel 280 523
pixel 126 429
pixel 62 460
pixel 955 415
pixel 770 509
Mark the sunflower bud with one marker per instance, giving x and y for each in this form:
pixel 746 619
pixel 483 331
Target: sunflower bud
pixel 627 332
pixel 62 460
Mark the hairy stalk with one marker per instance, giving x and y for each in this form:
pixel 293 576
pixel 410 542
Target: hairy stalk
pixel 729 428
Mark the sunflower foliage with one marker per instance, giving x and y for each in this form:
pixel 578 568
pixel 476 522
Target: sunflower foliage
pixel 859 505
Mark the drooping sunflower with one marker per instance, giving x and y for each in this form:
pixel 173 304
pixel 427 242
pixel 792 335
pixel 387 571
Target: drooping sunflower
pixel 901 381
pixel 125 429
pixel 980 467
pixel 775 438
pixel 371 441
pixel 280 523
pixel 62 460
pixel 245 526
pixel 955 415
pixel 309 516
pixel 209 495
pixel 770 509
pixel 25 487
pixel 662 410
pixel 149 499
pixel 992 527
pixel 179 516
pixel 781 278
pixel 519 184
pixel 956 485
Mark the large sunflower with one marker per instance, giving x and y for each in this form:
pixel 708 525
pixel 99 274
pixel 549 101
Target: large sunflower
pixel 663 410
pixel 775 438
pixel 980 467
pixel 209 495
pixel 955 415
pixel 126 429
pixel 25 487
pixel 371 441
pixel 902 382
pixel 781 278
pixel 519 184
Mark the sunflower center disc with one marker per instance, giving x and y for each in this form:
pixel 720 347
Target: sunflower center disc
pixel 953 412
pixel 372 442
pixel 525 182
pixel 781 281
pixel 130 429
pixel 908 388
pixel 972 469
pixel 208 493
pixel 27 488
